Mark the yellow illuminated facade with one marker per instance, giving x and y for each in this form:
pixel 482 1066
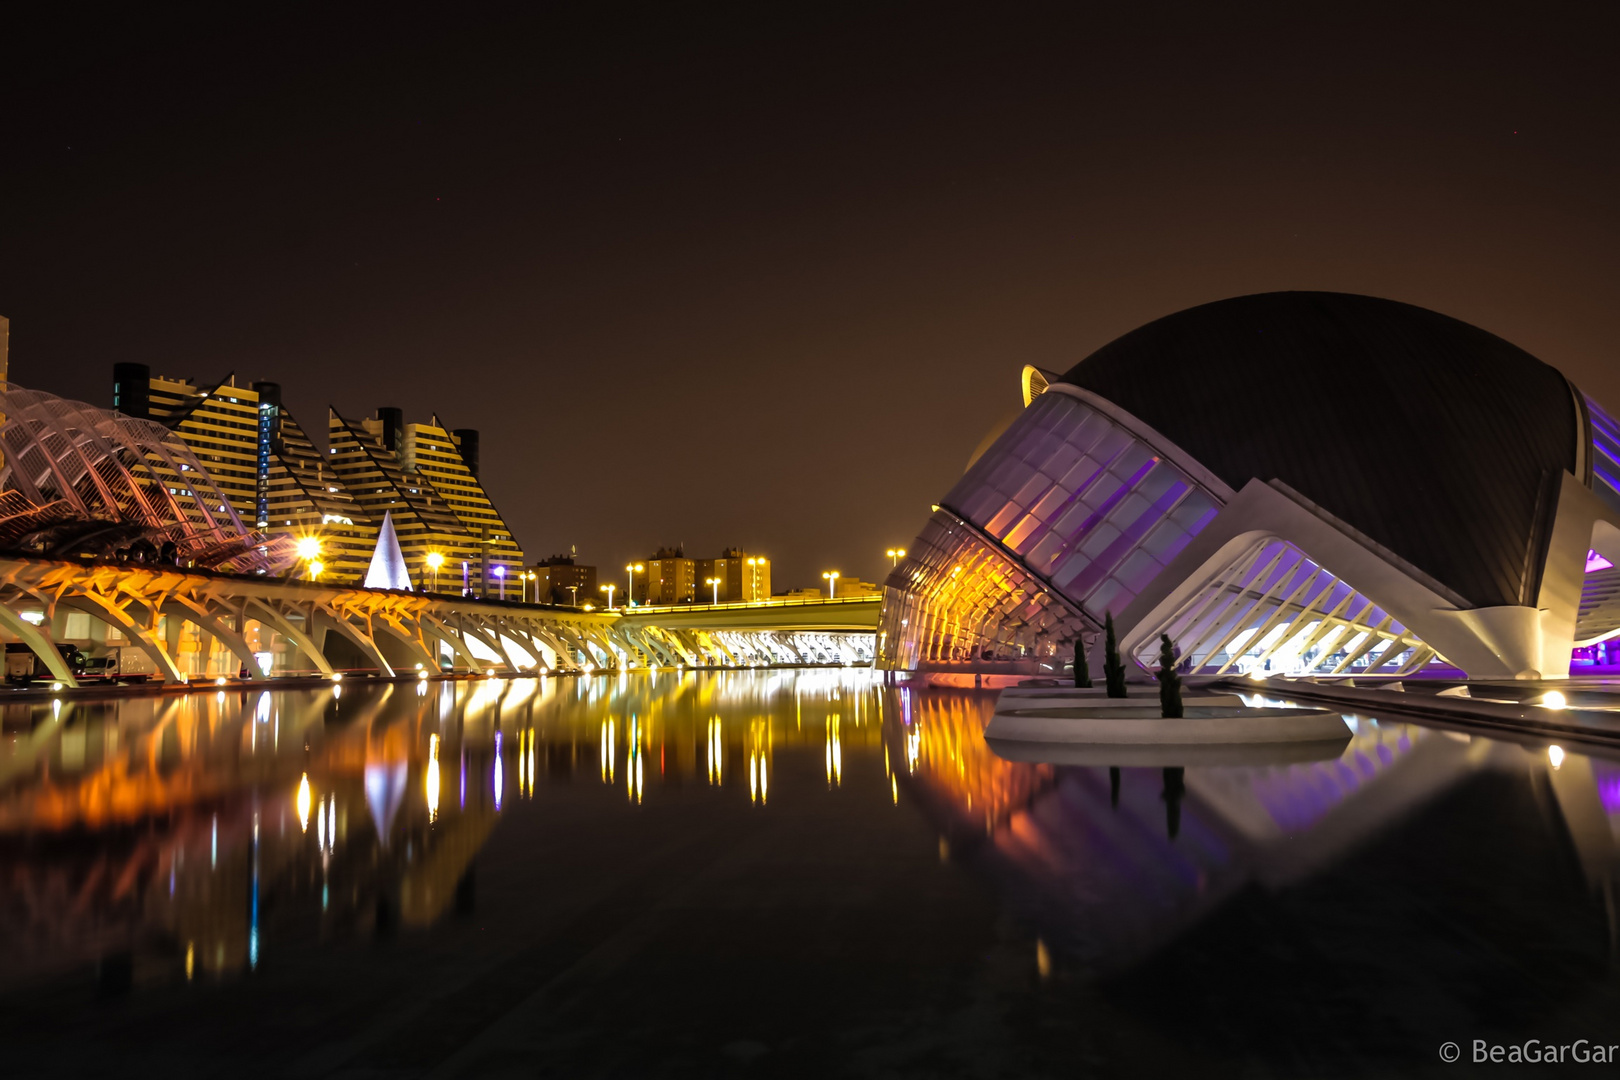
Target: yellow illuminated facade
pixel 393 468
pixel 261 460
pixel 439 455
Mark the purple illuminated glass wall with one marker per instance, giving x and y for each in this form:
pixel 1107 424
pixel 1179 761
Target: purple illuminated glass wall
pixel 1068 516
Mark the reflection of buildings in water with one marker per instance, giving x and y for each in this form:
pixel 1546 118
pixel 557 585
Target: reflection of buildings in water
pixel 194 831
pixel 1097 864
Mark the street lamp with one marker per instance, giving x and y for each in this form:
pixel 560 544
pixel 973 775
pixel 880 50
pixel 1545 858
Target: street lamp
pixel 895 555
pixel 309 549
pixel 573 594
pixel 435 560
pixel 716 583
pixel 315 569
pixel 500 575
pixel 609 590
pixel 630 583
pixel 832 584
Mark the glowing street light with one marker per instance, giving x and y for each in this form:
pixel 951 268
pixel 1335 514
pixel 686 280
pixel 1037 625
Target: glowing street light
pixel 533 578
pixel 573 594
pixel 630 583
pixel 500 575
pixel 831 577
pixel 435 560
pixel 714 581
pixel 895 555
pixel 609 590
pixel 309 550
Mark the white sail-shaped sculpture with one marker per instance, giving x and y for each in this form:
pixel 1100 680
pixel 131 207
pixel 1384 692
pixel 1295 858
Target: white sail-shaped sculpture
pixel 387 561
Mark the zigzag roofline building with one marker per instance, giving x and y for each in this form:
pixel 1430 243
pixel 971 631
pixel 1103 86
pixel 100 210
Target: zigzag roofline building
pixel 1291 483
pixel 271 473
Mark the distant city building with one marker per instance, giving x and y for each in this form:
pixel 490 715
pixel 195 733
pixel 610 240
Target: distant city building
pixel 848 587
pixel 801 594
pixel 560 580
pixel 671 577
pixel 743 577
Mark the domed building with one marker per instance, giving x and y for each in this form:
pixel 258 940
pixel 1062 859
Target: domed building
pixel 1297 483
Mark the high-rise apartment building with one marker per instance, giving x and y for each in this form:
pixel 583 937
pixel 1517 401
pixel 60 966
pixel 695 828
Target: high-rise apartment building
pixel 301 495
pixel 671 577
pixel 560 580
pixel 278 481
pixel 5 360
pixel 449 461
pixel 370 460
pixel 260 459
pixel 741 576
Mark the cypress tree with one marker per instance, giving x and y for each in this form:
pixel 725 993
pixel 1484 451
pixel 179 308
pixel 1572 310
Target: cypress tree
pixel 1169 681
pixel 1113 670
pixel 1082 670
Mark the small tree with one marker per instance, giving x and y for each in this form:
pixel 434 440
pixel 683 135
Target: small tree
pixel 1113 670
pixel 1082 670
pixel 1169 681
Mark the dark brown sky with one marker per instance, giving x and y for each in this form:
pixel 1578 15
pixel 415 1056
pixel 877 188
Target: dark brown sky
pixel 764 275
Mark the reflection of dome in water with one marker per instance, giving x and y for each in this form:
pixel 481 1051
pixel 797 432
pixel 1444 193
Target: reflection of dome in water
pixel 385 792
pixel 1300 482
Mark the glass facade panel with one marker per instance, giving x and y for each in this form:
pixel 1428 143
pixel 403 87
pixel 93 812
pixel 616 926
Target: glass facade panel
pixel 1077 517
pixel 1605 454
pixel 959 602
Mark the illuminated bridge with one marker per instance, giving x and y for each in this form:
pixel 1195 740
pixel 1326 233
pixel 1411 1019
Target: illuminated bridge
pixel 115 540
pixel 178 625
pixel 839 631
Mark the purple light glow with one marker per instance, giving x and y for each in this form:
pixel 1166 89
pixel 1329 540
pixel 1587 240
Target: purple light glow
pixel 1609 793
pixel 1594 562
pixel 500 571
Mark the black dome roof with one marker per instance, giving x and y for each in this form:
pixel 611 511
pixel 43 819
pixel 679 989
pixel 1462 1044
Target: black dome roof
pixel 1438 440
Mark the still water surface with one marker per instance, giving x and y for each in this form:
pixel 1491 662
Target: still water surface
pixel 782 873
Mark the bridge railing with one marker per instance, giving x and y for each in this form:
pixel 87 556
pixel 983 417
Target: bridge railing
pixel 743 605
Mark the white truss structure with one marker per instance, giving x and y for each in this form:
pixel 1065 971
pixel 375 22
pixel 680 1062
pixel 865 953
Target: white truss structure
pixel 94 465
pixel 1275 610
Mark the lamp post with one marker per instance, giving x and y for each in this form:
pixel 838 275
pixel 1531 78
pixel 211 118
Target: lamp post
pixel 832 584
pixel 895 555
pixel 500 575
pixel 573 594
pixel 630 583
pixel 434 561
pixel 714 581
pixel 609 590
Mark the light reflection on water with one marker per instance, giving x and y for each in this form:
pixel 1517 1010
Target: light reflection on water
pixel 222 790
pixel 197 835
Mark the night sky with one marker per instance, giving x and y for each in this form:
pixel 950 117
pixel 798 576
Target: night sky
pixel 765 275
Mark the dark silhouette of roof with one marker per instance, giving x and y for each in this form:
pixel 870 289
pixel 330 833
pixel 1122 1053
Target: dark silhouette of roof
pixel 1438 440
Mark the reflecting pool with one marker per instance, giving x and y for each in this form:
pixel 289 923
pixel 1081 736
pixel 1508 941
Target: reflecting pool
pixel 782 873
